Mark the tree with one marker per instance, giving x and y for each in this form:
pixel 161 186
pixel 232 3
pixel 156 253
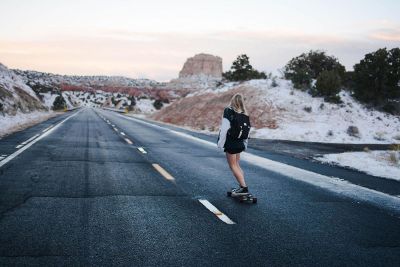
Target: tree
pixel 302 69
pixel 328 85
pixel 376 78
pixel 158 104
pixel 241 70
pixel 59 103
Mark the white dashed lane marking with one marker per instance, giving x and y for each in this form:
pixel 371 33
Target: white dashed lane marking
pixel 216 211
pixel 163 172
pixel 19 146
pixel 30 139
pixel 48 128
pixel 122 133
pixel 128 141
pixel 141 149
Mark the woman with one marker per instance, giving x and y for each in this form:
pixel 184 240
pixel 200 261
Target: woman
pixel 233 137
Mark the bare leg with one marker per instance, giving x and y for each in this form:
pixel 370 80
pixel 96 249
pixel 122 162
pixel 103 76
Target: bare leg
pixel 237 172
pixel 237 163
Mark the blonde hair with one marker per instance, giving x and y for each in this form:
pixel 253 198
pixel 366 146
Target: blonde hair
pixel 237 103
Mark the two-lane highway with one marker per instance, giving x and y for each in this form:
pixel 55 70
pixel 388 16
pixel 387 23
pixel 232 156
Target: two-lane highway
pixel 102 189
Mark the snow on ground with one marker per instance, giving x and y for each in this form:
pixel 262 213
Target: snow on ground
pixel 301 117
pixel 48 99
pixel 11 124
pixel 377 163
pixel 145 106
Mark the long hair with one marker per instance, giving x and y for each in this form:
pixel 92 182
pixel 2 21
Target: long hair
pixel 237 103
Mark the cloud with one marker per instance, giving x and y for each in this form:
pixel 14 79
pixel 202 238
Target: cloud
pixel 391 35
pixel 160 55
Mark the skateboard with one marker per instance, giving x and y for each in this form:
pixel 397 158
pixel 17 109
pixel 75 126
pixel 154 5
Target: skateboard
pixel 248 198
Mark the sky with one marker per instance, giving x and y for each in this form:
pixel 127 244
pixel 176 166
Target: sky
pixel 152 39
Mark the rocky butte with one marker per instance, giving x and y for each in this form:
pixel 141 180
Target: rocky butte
pixel 200 71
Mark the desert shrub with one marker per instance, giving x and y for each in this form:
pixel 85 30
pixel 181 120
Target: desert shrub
pixel 274 83
pixel 328 85
pixel 241 70
pixel 59 103
pixel 377 78
pixel 158 104
pixel 133 101
pixel 303 69
pixel 307 109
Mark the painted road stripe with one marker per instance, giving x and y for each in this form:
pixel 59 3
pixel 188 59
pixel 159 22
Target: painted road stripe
pixel 115 129
pixel 128 141
pixel 19 146
pixel 330 183
pixel 123 133
pixel 1 158
pixel 48 128
pixel 4 155
pixel 216 211
pixel 30 139
pixel 141 149
pixel 163 172
pixel 16 153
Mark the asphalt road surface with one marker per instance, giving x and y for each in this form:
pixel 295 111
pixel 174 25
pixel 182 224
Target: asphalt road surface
pixel 100 189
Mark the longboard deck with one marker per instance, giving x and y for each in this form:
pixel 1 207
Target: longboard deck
pixel 249 198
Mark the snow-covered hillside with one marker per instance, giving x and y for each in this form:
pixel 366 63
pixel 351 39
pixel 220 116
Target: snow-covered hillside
pixel 141 104
pixel 282 112
pixel 15 95
pixel 49 79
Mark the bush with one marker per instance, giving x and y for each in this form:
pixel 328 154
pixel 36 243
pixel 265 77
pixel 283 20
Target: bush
pixel 377 77
pixel 133 101
pixel 303 69
pixel 328 85
pixel 158 104
pixel 241 70
pixel 59 103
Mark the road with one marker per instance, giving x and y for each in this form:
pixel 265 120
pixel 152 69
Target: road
pixel 83 194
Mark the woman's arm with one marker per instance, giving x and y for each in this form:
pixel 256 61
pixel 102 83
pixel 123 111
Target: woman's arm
pixel 225 125
pixel 246 141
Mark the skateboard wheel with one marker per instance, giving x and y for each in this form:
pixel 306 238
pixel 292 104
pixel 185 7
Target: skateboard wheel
pixel 229 193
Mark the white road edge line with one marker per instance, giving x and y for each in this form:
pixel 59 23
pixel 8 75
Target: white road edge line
pixel 16 153
pixel 163 172
pixel 216 211
pixel 141 149
pixel 128 141
pixel 333 184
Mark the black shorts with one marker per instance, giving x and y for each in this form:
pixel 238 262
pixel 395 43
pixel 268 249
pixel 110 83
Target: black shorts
pixel 234 147
pixel 233 150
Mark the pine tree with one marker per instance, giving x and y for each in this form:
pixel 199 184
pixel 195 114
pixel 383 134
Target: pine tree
pixel 59 103
pixel 241 70
pixel 377 77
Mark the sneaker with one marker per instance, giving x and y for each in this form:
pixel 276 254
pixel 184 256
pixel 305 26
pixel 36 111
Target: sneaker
pixel 241 191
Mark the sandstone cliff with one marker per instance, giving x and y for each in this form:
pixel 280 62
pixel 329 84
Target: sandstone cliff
pixel 200 71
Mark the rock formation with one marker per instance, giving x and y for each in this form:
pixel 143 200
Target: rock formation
pixel 202 64
pixel 200 71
